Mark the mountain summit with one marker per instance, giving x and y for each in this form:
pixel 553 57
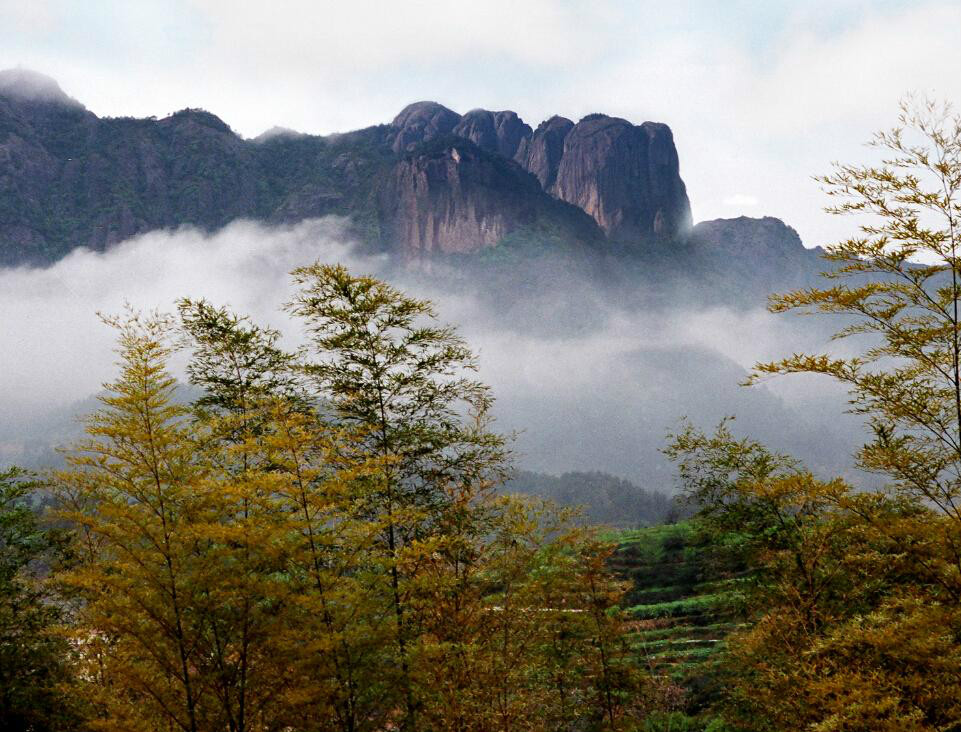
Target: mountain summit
pixel 431 182
pixel 31 86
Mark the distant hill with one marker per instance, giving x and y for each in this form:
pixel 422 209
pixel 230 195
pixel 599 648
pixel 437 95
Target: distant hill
pixel 606 499
pixel 430 181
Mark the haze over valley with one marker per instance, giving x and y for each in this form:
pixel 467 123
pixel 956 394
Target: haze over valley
pixel 565 255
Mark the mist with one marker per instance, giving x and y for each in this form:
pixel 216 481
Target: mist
pixel 586 380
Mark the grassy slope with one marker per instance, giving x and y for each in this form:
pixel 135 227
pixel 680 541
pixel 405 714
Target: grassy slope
pixel 683 603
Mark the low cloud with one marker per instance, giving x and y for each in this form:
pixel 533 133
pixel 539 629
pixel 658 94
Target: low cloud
pixel 595 392
pixel 56 350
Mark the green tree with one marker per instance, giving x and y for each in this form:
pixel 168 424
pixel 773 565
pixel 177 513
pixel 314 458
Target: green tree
pixel 899 284
pixel 175 575
pixel 315 543
pixel 34 658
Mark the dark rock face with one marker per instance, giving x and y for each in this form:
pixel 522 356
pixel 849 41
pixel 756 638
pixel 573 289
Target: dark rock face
pixel 24 85
pixel 541 154
pixel 497 132
pixel 456 198
pixel 41 129
pixel 70 179
pixel 420 122
pixel 626 177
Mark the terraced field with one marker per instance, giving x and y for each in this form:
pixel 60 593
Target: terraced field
pixel 683 601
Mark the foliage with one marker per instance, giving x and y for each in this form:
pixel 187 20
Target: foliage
pixel 34 659
pixel 849 630
pixel 314 543
pixel 899 282
pixel 857 607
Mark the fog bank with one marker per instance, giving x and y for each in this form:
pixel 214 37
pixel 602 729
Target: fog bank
pixel 600 396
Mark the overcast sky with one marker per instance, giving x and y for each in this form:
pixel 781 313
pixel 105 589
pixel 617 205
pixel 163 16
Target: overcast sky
pixel 761 95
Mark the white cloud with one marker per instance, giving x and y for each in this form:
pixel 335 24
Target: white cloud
pixel 741 200
pixel 55 350
pixel 599 395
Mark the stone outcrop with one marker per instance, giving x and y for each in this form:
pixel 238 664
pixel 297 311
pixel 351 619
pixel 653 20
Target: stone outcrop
pixel 763 251
pixel 457 199
pixel 69 178
pixel 745 237
pixel 541 154
pixel 420 122
pixel 496 132
pixel 626 177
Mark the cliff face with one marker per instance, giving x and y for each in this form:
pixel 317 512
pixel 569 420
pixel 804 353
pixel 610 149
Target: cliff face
pixel 626 177
pixel 496 132
pixel 420 122
pixel 40 129
pixel 69 178
pixel 765 251
pixel 455 198
pixel 541 154
pixel 748 237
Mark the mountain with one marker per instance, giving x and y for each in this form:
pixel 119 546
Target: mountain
pixel 605 499
pixel 431 182
pixel 564 250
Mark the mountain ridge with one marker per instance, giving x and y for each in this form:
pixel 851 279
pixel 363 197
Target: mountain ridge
pixel 431 182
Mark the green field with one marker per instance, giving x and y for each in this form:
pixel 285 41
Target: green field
pixel 684 602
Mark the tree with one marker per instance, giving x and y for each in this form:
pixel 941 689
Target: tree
pixel 315 544
pixel 34 658
pixel 899 284
pixel 858 614
pixel 175 581
pixel 402 381
pixel 831 597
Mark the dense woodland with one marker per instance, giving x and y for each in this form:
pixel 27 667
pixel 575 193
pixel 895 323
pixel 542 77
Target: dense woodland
pixel 331 539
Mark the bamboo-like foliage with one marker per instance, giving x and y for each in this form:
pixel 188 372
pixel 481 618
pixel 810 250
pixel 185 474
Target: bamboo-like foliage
pixel 314 543
pixel 899 283
pixel 857 606
pixel 391 372
pixel 851 626
pixel 35 661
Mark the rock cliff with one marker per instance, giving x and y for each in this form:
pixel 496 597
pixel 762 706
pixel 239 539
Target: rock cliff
pixel 69 178
pixel 541 154
pixel 420 122
pixel 765 252
pixel 452 197
pixel 626 177
pixel 497 132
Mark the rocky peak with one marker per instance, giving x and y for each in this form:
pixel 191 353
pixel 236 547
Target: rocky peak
pixel 765 251
pixel 420 122
pixel 747 238
pixel 541 153
pixel 497 132
pixel 25 85
pixel 197 118
pixel 626 177
pixel 279 133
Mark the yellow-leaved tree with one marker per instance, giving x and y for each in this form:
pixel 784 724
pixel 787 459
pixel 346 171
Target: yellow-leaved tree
pixel 315 542
pixel 857 613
